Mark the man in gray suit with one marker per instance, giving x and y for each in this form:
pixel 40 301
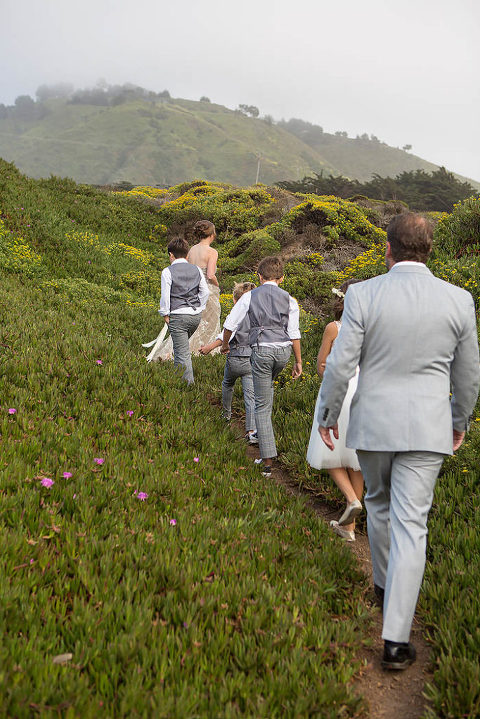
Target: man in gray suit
pixel 414 337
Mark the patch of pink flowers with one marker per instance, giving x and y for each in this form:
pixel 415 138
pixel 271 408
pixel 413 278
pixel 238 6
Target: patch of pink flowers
pixel 196 459
pixel 47 482
pixel 67 475
pixel 12 410
pixel 99 362
pixel 173 522
pixel 98 460
pixel 130 412
pixel 142 495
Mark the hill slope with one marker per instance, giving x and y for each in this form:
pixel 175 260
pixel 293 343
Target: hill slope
pixel 163 142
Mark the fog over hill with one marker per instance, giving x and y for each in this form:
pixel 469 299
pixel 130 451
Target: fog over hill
pixel 110 134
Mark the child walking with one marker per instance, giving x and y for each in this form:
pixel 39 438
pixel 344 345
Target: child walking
pixel 342 464
pixel 238 366
pixel 184 296
pixel 274 330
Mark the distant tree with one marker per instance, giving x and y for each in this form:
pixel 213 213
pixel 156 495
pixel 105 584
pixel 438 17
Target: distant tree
pixel 24 107
pixel 3 111
pixel 268 119
pixel 249 110
pixel 204 98
pixel 407 148
pixel 164 95
pixel 341 133
pixel 58 90
pixel 365 137
pixel 420 190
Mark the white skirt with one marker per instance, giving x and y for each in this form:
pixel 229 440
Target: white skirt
pixel 318 454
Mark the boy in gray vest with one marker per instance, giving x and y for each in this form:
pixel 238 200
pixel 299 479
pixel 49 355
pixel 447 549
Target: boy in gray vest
pixel 274 330
pixel 238 365
pixel 184 296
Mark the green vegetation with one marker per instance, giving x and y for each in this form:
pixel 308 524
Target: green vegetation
pixel 181 582
pixel 438 191
pixel 121 134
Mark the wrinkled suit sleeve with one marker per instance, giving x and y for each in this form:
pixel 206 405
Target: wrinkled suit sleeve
pixel 465 372
pixel 342 361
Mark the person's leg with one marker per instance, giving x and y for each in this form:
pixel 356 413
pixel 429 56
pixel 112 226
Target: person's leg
pixel 249 400
pixel 343 479
pixel 376 467
pixel 181 328
pixel 228 386
pixel 263 362
pixel 413 480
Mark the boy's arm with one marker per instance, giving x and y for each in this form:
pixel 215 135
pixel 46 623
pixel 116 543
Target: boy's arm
pixel 166 283
pixel 293 331
pixel 211 346
pixel 297 353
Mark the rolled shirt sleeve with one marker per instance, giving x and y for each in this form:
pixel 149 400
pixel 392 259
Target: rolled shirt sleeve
pixel 166 283
pixel 237 313
pixel 293 328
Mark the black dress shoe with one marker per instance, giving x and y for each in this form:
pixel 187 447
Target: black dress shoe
pixel 398 655
pixel 379 595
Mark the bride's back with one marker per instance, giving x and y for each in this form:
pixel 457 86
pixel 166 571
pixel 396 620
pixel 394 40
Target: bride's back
pixel 200 254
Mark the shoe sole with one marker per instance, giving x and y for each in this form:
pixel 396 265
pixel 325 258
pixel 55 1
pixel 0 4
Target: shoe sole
pixel 253 441
pixel 397 665
pixel 348 518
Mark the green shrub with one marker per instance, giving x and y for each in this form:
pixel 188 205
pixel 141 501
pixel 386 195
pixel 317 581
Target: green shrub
pixel 458 234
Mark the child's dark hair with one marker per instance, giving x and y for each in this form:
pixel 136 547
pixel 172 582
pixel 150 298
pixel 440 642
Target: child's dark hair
pixel 271 268
pixel 337 304
pixel 203 229
pixel 178 247
pixel 240 288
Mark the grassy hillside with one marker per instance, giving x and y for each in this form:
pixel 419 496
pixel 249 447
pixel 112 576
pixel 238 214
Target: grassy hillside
pixel 135 536
pixel 158 141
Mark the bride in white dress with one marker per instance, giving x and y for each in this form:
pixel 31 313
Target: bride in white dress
pixel 205 257
pixel 341 463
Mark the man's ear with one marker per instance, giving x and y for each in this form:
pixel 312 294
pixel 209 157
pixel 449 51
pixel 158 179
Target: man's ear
pixel 388 252
pixel 281 279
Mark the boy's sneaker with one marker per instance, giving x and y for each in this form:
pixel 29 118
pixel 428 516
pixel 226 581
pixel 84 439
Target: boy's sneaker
pixel 251 437
pixel 266 469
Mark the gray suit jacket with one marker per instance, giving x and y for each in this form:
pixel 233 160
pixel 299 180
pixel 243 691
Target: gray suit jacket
pixel 414 337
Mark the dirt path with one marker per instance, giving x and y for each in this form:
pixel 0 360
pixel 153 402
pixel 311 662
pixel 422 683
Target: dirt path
pixel 388 694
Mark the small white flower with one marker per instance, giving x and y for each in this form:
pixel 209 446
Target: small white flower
pixel 338 293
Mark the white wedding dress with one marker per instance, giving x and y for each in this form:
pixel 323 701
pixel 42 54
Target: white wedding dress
pixel 318 454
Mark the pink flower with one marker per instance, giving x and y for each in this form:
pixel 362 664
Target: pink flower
pixel 142 495
pixel 98 460
pixel 74 496
pixel 12 410
pixel 31 561
pixel 67 475
pixel 173 522
pixel 130 412
pixel 196 459
pixel 47 482
pixel 99 362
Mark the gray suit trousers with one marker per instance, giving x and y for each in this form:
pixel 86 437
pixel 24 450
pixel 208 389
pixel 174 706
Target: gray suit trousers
pixel 267 363
pixel 236 367
pixel 399 497
pixel 181 328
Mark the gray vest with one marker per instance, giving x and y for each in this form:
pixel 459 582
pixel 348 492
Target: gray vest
pixel 268 313
pixel 185 285
pixel 239 344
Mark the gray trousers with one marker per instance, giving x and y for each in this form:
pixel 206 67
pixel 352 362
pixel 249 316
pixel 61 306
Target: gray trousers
pixel 181 329
pixel 236 367
pixel 399 497
pixel 267 363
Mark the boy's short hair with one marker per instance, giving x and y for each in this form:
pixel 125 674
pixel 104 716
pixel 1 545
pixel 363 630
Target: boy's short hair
pixel 178 247
pixel 240 288
pixel 271 268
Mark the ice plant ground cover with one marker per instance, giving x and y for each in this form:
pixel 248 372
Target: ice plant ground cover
pixel 133 533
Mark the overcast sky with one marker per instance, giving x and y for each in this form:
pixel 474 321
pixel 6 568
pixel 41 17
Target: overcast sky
pixel 406 71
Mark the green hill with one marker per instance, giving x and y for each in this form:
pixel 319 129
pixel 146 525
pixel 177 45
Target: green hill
pixel 162 141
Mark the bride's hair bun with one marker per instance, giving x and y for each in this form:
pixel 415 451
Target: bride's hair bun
pixel 203 229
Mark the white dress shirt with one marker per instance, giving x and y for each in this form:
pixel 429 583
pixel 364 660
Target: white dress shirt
pixel 166 283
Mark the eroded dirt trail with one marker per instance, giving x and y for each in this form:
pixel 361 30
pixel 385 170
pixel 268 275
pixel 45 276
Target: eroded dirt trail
pixel 388 694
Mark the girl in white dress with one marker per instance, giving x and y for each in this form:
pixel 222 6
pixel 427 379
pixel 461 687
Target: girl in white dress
pixel 341 463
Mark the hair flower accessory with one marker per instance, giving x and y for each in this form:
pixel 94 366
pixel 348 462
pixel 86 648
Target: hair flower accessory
pixel 338 293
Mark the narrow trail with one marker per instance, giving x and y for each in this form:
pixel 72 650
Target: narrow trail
pixel 388 694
